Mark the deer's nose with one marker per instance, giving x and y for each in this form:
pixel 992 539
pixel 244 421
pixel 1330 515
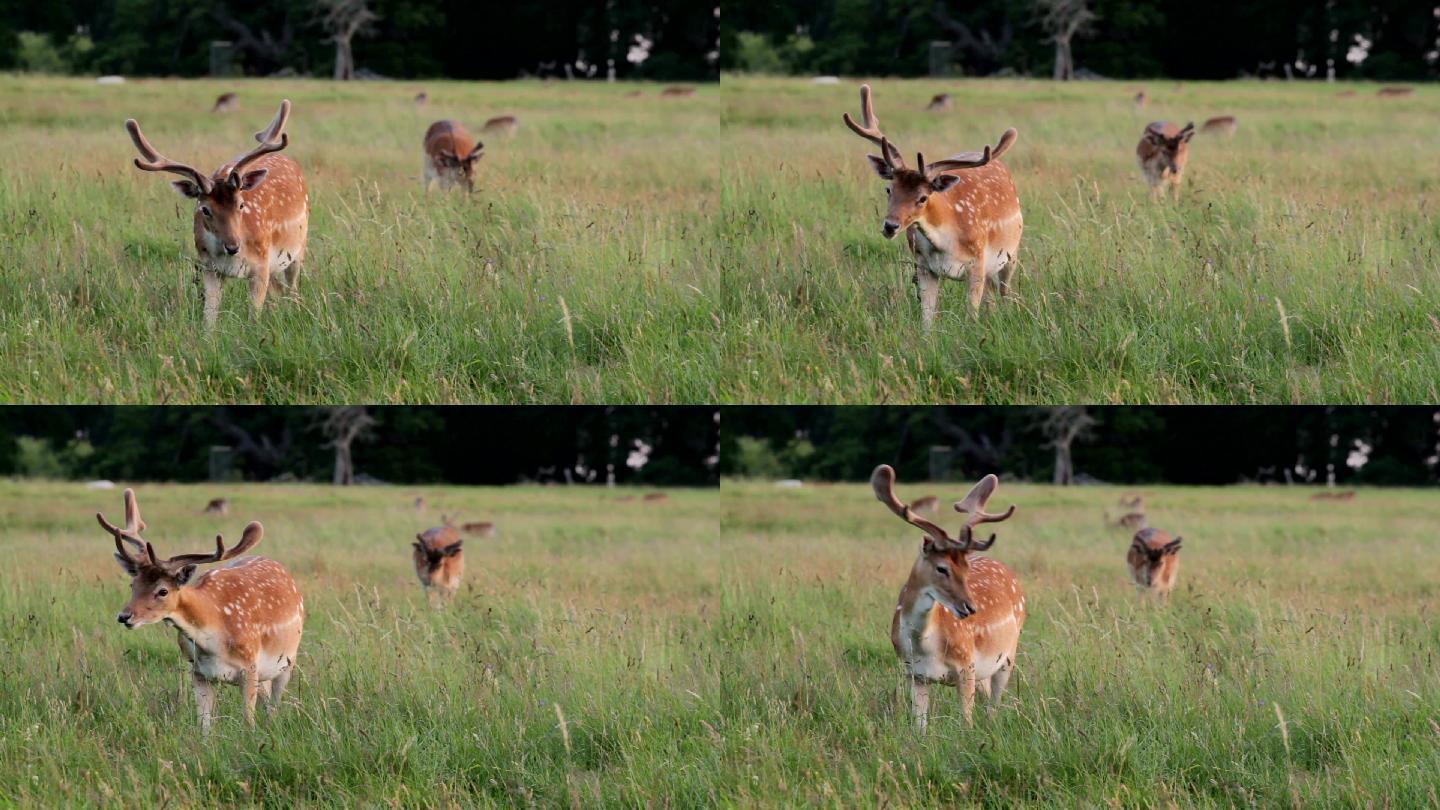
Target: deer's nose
pixel 123 618
pixel 889 227
pixel 967 607
pixel 232 249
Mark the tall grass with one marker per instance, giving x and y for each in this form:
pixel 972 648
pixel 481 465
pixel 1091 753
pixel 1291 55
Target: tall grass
pixel 1300 265
pixel 599 201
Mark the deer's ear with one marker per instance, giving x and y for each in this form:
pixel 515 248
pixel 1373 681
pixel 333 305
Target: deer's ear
pixel 186 188
pixel 942 182
pixel 253 179
pixel 927 546
pixel 452 549
pixel 184 574
pixel 125 565
pixel 476 153
pixel 881 167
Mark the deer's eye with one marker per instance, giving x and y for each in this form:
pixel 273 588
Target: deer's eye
pixel 944 571
pixel 205 209
pixel 923 197
pixel 161 593
pixel 887 191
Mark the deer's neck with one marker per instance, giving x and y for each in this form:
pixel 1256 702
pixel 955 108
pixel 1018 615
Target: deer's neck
pixel 197 619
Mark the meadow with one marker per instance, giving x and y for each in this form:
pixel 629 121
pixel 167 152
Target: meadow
pixel 1298 267
pixel 571 275
pixel 1294 665
pixel 580 664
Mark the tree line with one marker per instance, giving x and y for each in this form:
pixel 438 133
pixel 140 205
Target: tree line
pixel 1123 445
pixel 582 445
pixel 1223 39
pixel 636 39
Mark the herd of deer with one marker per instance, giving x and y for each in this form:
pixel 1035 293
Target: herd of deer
pixel 958 619
pixel 961 215
pixel 252 215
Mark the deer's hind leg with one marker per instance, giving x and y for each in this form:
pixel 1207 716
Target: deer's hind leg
pixel 978 279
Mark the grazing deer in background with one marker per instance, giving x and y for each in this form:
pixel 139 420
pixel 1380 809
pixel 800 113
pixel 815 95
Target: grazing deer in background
pixel 654 497
pixel 1140 100
pixel 217 506
pixel 421 99
pixel 483 528
pixel 450 155
pixel 1163 152
pixel 925 503
pixel 419 504
pixel 959 615
pixel 1347 495
pixel 251 216
pixel 505 125
pixel 939 102
pixel 1392 92
pixel 239 623
pixel 1153 560
pixel 225 103
pixel 960 215
pixel 677 92
pixel 439 561
pixel 1220 125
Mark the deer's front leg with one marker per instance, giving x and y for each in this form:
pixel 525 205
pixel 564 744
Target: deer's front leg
pixel 260 284
pixel 927 289
pixel 966 686
pixel 251 687
pixel 920 702
pixel 210 282
pixel 204 700
pixel 978 275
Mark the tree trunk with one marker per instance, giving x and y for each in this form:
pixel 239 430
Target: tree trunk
pixel 344 60
pixel 344 465
pixel 1064 67
pixel 1064 468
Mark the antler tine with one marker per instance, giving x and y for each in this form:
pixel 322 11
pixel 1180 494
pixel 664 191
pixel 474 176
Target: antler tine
pixel 186 559
pixel 252 534
pixel 882 481
pixel 974 503
pixel 871 131
pixel 156 162
pixel 1007 139
pixel 266 138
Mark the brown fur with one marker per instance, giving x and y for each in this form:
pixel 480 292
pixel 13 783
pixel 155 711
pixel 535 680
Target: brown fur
pixel 439 562
pixel 1392 92
pixel 1154 561
pixel 1334 496
pixel 1220 125
pixel 940 103
pixel 926 503
pixel 450 155
pixel 217 506
pixel 502 125
pixel 677 92
pixel 481 528
pixel 225 103
pixel 1163 151
pixel 655 496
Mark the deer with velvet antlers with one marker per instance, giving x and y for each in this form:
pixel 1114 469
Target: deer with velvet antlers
pixel 239 623
pixel 961 215
pixel 958 618
pixel 252 215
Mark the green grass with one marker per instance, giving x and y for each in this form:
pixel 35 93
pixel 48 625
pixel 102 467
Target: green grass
pixel 1323 205
pixel 609 611
pixel 1324 613
pixel 599 202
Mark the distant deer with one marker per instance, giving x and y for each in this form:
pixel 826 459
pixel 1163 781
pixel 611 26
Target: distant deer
pixel 1163 152
pixel 939 103
pixel 926 503
pixel 450 155
pixel 653 497
pixel 225 103
pixel 960 215
pixel 1334 496
pixel 959 615
pixel 251 216
pixel 1153 560
pixel 1140 100
pixel 239 623
pixel 422 98
pixel 677 92
pixel 1220 125
pixel 419 504
pixel 439 561
pixel 1392 92
pixel 482 528
pixel 217 506
pixel 506 125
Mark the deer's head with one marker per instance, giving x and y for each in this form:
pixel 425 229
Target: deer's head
pixel 1171 147
pixel 155 583
pixel 912 190
pixel 433 548
pixel 462 166
pixel 944 562
pixel 1147 557
pixel 220 199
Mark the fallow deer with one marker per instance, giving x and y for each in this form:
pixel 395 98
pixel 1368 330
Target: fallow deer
pixel 1347 495
pixel 251 216
pixel 1163 151
pixel 677 92
pixel 654 497
pixel 420 504
pixel 422 98
pixel 483 528
pixel 239 623
pixel 959 615
pixel 1140 100
pixel 939 103
pixel 1220 125
pixel 1393 92
pixel 225 103
pixel 960 215
pixel 925 503
pixel 439 561
pixel 1153 560
pixel 506 125
pixel 217 506
pixel 450 155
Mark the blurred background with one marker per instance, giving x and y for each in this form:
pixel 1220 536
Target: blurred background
pixel 1223 39
pixel 364 445
pixel 579 39
pixel 1089 445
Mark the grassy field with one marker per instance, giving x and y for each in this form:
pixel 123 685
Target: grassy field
pixel 573 273
pixel 1300 265
pixel 607 614
pixel 1294 666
